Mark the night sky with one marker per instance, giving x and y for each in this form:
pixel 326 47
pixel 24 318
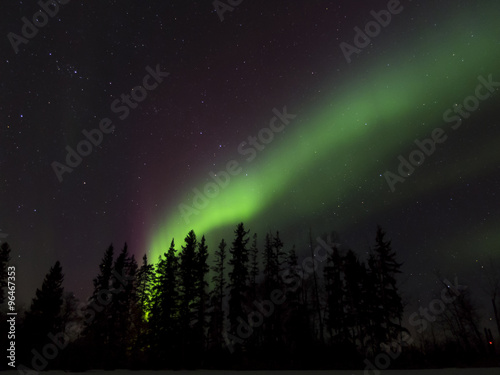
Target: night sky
pixel 325 133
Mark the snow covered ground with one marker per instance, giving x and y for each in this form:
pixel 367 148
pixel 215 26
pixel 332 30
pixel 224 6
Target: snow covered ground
pixel 449 371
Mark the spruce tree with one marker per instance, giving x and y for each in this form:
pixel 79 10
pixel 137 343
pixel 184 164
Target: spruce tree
pixel 292 278
pixel 270 265
pixel 355 298
pixel 335 321
pixel 218 294
pixel 238 276
pixel 103 280
pixel 386 303
pixel 202 269
pixel 45 313
pixel 165 315
pixel 296 326
pixel 98 328
pixel 254 267
pixel 145 278
pixel 189 293
pixel 122 305
pixel 275 321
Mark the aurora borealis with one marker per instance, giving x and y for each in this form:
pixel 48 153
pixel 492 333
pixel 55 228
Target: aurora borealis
pixel 324 170
pixel 362 111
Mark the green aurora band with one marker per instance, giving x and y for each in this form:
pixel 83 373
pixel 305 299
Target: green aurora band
pixel 379 112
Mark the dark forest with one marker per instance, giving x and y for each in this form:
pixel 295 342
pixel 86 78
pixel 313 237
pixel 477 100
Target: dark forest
pixel 245 307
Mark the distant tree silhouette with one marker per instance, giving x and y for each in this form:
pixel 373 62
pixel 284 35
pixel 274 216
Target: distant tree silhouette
pixel 238 277
pixel 492 288
pixel 123 306
pixel 218 294
pixel 316 298
pixel 144 286
pixel 142 310
pixel 98 328
pixel 266 334
pixel 103 279
pixel 334 286
pixel 280 254
pixel 274 324
pixel 165 315
pixel 386 307
pixel 254 267
pixel 355 299
pixel 272 279
pixel 201 285
pixel 291 277
pixel 189 293
pixel 296 325
pixel 45 313
pixel 460 322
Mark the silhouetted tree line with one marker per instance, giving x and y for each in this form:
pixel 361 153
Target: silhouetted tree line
pixel 263 309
